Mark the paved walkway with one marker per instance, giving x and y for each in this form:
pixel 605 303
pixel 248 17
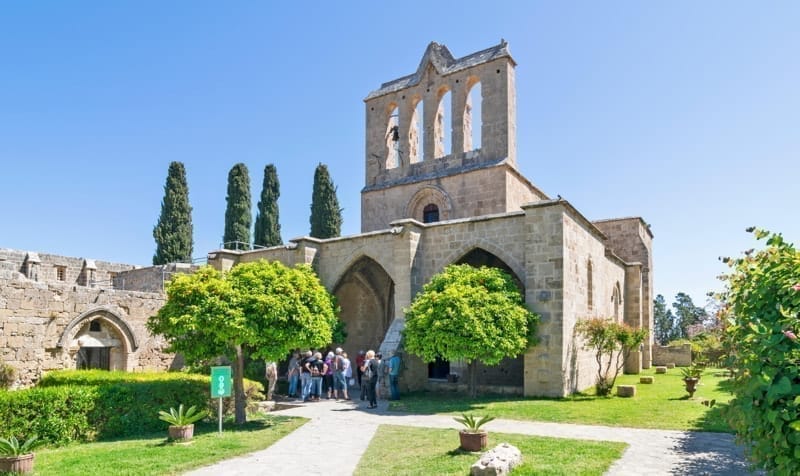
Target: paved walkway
pixel 339 433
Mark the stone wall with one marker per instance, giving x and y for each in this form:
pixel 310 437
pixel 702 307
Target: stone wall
pixel 44 325
pixel 150 279
pixel 44 267
pixel 680 355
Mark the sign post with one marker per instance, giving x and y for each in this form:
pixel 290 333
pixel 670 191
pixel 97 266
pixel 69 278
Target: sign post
pixel 221 384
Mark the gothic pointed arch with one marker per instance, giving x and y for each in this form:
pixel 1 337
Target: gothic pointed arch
pixel 105 315
pixel 494 254
pixel 365 293
pixel 424 198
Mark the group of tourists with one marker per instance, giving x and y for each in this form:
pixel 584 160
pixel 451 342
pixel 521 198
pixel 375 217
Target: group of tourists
pixel 312 375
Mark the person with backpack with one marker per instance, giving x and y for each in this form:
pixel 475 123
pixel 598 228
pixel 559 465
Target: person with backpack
pixel 370 377
pixel 395 364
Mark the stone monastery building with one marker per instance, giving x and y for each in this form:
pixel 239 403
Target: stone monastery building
pixel 441 187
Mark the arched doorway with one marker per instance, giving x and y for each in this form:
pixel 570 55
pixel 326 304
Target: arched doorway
pixel 510 371
pixel 98 339
pixel 365 294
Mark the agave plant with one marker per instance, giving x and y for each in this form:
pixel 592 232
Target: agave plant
pixel 473 423
pixel 12 447
pixel 180 417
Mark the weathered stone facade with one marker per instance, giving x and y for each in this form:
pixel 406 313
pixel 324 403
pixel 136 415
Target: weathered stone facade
pixel 58 312
pixel 422 211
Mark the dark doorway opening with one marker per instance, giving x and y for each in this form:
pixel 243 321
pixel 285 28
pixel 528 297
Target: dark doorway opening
pixel 94 358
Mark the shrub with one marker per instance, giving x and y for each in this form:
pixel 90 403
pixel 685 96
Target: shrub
pixel 83 405
pixel 762 305
pixel 607 338
pixel 7 376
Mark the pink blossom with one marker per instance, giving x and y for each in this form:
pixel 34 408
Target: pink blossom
pixel 791 335
pixel 796 287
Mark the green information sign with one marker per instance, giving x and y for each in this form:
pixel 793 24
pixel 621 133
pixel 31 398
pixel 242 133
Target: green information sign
pixel 221 382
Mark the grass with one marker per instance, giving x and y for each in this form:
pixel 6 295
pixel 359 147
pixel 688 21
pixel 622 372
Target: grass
pixel 401 450
pixel 662 405
pixel 154 455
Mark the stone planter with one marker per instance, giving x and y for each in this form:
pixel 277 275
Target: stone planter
pixel 182 432
pixel 473 441
pixel 17 464
pixel 627 391
pixel 647 379
pixel 691 385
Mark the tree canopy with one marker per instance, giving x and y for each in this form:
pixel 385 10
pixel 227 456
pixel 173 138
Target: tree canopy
pixel 238 215
pixel 268 228
pixel 264 306
pixel 326 215
pixel 474 314
pixel 173 232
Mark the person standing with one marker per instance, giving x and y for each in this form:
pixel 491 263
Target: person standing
pixel 359 372
pixel 272 377
pixel 370 377
pixel 348 375
pixel 394 375
pixel 293 373
pixel 382 373
pixel 339 379
pixel 318 369
pixel 305 376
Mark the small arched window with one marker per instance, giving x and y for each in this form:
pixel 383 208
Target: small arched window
pixel 430 213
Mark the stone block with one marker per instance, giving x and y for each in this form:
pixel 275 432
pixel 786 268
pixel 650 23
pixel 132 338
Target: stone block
pixel 626 390
pixel 661 370
pixel 500 460
pixel 647 379
pixel 671 365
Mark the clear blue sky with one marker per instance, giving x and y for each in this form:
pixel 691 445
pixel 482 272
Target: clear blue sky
pixel 685 113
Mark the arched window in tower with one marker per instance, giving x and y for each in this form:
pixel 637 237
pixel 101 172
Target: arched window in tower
pixel 589 286
pixel 442 128
pixel 430 213
pixel 616 298
pixel 393 139
pixel 415 134
pixel 472 116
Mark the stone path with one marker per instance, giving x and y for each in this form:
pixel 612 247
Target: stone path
pixel 339 433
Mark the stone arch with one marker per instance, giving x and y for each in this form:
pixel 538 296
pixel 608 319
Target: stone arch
pixel 429 195
pixel 516 269
pixel 616 299
pixel 509 372
pixel 113 334
pixel 365 293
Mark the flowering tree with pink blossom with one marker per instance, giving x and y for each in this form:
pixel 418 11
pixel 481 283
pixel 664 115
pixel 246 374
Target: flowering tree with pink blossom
pixel 761 315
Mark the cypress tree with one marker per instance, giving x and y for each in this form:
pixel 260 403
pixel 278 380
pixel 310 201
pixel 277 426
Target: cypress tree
pixel 268 228
pixel 173 232
pixel 237 214
pixel 326 216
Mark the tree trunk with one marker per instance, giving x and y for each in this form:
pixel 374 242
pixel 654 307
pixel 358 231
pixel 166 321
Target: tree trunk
pixel 472 370
pixel 238 388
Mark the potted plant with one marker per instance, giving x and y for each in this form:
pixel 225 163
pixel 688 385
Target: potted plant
pixel 181 423
pixel 16 457
pixel 472 437
pixel 691 375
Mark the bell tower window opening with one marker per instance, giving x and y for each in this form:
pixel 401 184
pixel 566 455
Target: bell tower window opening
pixel 416 134
pixel 442 128
pixel 393 139
pixel 473 122
pixel 430 213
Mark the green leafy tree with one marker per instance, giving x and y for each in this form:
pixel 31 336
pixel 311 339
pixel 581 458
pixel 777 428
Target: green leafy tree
pixel 173 232
pixel 268 228
pixel 326 216
pixel 663 321
pixel 237 213
pixel 687 315
pixel 611 343
pixel 474 314
pixel 263 306
pixel 761 316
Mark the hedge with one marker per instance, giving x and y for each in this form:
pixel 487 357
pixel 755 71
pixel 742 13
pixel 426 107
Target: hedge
pixel 79 405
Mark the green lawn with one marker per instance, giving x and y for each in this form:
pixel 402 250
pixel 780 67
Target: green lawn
pixel 664 405
pixel 402 450
pixel 153 455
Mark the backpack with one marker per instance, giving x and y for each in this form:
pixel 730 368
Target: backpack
pixel 368 372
